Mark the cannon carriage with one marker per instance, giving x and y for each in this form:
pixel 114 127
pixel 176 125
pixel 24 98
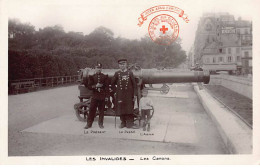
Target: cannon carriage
pixel 142 77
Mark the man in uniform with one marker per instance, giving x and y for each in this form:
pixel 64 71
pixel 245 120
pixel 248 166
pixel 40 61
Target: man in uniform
pixel 98 83
pixel 125 94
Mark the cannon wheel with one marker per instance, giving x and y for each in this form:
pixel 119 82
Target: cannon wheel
pixel 164 89
pixel 82 110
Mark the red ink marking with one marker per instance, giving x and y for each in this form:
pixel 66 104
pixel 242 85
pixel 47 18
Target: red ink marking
pixel 160 8
pixel 163 29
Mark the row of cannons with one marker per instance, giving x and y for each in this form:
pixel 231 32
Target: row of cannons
pixel 142 77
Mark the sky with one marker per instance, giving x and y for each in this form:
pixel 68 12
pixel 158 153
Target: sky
pixel 121 16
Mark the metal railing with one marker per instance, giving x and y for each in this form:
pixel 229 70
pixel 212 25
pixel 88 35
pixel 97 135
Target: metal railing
pixel 33 84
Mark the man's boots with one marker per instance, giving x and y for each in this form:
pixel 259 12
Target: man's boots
pixel 101 125
pixel 123 124
pixel 100 120
pixel 89 125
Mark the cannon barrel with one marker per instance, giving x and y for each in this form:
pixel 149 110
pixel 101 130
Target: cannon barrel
pixel 152 76
pixel 142 76
pixel 171 76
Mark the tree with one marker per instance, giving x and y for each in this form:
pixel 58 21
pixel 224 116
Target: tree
pixel 20 35
pixel 101 36
pixel 50 37
pixel 53 52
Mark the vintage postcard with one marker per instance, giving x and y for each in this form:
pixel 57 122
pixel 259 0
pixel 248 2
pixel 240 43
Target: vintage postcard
pixel 129 82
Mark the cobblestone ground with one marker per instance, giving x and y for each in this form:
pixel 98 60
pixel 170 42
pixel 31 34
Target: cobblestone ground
pixel 237 102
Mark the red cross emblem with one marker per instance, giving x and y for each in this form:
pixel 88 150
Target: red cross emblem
pixel 163 29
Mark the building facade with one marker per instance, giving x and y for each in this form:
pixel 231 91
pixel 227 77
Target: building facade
pixel 223 43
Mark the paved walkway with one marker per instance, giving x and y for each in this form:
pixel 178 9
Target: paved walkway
pixel 180 125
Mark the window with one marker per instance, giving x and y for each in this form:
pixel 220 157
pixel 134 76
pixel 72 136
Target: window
pixel 246 31
pixel 214 59
pixel 220 59
pixel 207 60
pixel 237 50
pixel 248 38
pixel 229 50
pixel 238 31
pixel 229 58
pixel 238 59
pixel 220 50
pixel 223 50
pixel 246 54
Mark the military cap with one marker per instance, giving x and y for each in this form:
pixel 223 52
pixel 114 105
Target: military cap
pixel 122 60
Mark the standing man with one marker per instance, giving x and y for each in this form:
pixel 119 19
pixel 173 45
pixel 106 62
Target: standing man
pixel 125 94
pixel 98 83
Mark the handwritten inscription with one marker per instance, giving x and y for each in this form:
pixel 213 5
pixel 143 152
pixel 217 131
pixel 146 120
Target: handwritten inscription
pixel 127 132
pixel 94 132
pixel 146 134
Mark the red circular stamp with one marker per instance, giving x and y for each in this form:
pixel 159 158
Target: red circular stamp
pixel 163 29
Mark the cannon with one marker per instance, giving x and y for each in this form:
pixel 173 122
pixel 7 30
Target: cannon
pixel 163 90
pixel 142 77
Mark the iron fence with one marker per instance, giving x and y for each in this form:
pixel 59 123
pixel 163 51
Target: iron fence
pixel 33 84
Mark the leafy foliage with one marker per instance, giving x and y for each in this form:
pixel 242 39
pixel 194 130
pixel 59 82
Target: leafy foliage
pixel 53 52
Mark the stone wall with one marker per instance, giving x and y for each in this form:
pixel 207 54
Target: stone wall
pixel 241 85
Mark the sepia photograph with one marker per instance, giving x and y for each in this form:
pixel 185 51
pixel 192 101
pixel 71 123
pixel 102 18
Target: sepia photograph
pixel 125 82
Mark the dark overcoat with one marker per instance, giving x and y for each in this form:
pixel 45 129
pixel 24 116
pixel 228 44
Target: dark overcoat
pixel 99 93
pixel 125 91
